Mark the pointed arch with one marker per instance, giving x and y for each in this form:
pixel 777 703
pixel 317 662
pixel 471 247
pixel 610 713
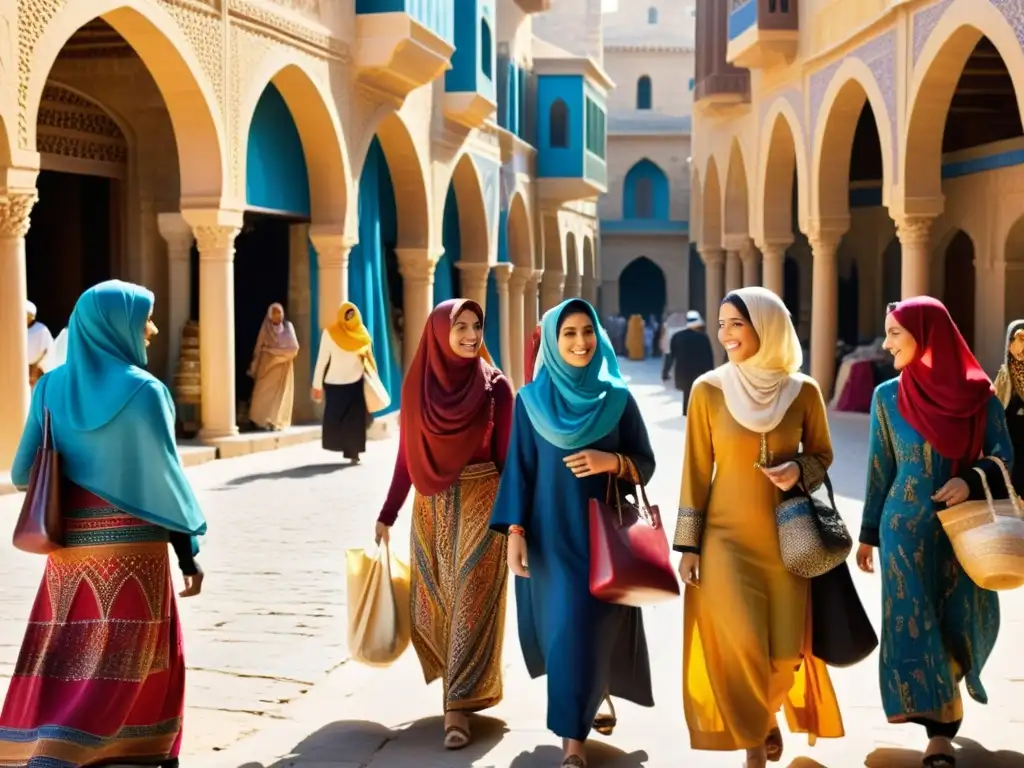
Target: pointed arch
pixel 520 234
pixel 696 207
pixel 782 157
pixel 711 218
pixel 188 94
pixel 736 204
pixel 473 220
pixel 316 119
pixel 572 257
pixel 852 85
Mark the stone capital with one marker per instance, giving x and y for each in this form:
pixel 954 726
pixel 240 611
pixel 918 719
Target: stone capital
pixel 735 242
pixel 712 256
pixel 216 242
pixel 15 213
pixel 519 277
pixel 775 245
pixel 417 264
pixel 503 274
pixel 332 248
pixel 914 230
pixel 534 279
pixel 474 270
pixel 177 233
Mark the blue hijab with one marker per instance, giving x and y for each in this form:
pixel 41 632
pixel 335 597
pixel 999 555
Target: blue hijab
pixel 112 421
pixel 573 407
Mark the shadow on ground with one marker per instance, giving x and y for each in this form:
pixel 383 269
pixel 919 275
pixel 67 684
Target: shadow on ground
pixel 361 744
pixel 970 754
pixel 304 472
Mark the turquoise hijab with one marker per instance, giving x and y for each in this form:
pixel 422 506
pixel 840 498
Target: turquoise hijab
pixel 573 407
pixel 112 421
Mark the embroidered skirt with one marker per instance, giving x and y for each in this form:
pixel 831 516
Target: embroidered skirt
pixel 101 676
pixel 459 580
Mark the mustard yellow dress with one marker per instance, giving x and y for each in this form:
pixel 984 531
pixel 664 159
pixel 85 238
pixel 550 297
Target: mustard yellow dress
pixel 746 636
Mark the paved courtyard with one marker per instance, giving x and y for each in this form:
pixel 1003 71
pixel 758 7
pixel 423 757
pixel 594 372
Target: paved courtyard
pixel 270 687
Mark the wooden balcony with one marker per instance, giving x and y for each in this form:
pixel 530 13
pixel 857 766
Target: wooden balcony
pixel 763 33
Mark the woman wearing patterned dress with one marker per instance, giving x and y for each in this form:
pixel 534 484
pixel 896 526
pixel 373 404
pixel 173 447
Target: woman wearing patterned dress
pixel 1009 386
pixel 576 425
pixel 755 428
pixel 101 676
pixel 929 427
pixel 456 417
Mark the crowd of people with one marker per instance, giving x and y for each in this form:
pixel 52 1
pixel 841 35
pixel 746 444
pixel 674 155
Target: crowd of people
pixel 501 483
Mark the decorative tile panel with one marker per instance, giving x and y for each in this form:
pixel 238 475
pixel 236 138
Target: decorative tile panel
pixel 924 22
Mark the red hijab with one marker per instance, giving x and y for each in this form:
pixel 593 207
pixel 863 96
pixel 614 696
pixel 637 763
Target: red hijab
pixel 531 353
pixel 943 392
pixel 446 403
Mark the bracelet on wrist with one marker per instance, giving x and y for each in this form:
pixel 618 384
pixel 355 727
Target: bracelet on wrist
pixel 517 530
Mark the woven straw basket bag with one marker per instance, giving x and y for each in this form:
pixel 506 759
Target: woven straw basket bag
pixel 988 536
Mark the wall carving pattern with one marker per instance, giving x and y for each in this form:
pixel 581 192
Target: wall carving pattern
pixel 925 21
pixel 72 126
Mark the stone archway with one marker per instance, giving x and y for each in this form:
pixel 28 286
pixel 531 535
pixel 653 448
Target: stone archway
pixel 642 289
pixel 188 92
pixel 520 234
pixel 472 211
pixel 736 204
pixel 406 166
pixel 711 208
pixel 323 141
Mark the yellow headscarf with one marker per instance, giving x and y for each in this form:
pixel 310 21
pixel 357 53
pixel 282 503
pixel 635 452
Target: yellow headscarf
pixel 352 335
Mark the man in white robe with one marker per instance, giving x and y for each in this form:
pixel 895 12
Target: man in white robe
pixel 40 346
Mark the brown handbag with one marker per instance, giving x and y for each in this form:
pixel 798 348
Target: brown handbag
pixel 40 529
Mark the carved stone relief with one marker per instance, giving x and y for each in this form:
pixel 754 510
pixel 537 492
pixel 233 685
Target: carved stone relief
pixel 72 126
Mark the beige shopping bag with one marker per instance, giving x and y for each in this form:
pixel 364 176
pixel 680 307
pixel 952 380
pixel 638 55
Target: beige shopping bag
pixel 377 397
pixel 379 622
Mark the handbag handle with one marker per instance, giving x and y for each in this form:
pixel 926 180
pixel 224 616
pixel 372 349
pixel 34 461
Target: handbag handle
pixel 645 510
pixel 827 482
pixel 989 498
pixel 47 430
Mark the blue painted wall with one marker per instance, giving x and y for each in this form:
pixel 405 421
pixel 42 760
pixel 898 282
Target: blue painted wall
pixel 651 226
pixel 503 255
pixel 511 85
pixel 446 275
pixel 554 162
pixel 492 326
pixel 660 194
pixel 473 63
pixel 275 170
pixel 742 19
pixel 367 270
pixel 437 15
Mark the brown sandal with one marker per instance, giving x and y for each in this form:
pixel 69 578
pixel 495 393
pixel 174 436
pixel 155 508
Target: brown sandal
pixel 574 761
pixel 605 723
pixel 773 745
pixel 456 737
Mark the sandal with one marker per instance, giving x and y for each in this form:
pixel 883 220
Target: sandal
pixel 773 745
pixel 456 737
pixel 605 723
pixel 939 760
pixel 574 761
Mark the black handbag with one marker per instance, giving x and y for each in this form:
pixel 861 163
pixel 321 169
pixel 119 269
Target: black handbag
pixel 841 632
pixel 813 539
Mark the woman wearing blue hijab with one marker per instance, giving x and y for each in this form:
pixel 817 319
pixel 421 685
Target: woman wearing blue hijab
pixel 101 674
pixel 574 425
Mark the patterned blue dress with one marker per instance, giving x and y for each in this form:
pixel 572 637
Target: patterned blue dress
pixel 938 626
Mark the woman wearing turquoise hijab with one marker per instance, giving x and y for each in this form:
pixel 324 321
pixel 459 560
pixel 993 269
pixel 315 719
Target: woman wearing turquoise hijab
pixel 101 674
pixel 574 425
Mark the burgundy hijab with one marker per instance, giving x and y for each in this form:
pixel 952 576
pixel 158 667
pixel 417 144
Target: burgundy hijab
pixel 531 353
pixel 446 403
pixel 943 392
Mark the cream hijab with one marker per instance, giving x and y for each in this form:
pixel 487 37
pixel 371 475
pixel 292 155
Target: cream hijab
pixel 759 391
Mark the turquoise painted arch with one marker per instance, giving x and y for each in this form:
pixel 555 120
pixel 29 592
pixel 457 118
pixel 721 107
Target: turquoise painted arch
pixel 645 192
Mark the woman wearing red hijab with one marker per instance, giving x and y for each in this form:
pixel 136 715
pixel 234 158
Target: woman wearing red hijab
pixel 456 420
pixel 531 353
pixel 929 428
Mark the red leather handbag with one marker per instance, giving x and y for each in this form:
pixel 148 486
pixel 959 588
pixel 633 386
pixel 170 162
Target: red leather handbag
pixel 629 552
pixel 40 526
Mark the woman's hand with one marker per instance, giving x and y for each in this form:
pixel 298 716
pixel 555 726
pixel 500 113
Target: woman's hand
pixel 517 556
pixel 954 492
pixel 382 532
pixel 689 569
pixel 193 584
pixel 590 462
pixel 316 394
pixel 784 476
pixel 866 558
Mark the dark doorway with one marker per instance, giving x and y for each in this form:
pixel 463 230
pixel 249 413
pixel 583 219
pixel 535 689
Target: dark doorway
pixel 959 292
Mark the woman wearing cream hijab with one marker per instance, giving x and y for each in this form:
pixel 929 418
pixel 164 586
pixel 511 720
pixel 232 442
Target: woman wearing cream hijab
pixel 746 628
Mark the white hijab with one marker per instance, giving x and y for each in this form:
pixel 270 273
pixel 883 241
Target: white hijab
pixel 759 391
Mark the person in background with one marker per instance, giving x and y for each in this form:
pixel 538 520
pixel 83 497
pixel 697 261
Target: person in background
pixel 532 350
pixel 273 369
pixel 40 346
pixel 346 354
pixel 102 656
pixel 691 354
pixel 635 338
pixel 1009 385
pixel 577 428
pixel 674 323
pixel 456 417
pixel 929 428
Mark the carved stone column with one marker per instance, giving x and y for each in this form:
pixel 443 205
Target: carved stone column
pixel 531 302
pixel 714 292
pixel 751 259
pixel 178 235
pixel 573 287
pixel 14 224
pixel 300 312
pixel 473 279
pixel 217 327
pixel 733 271
pixel 824 310
pixel 773 267
pixel 590 284
pixel 503 276
pixel 332 251
pixel 914 233
pixel 517 332
pixel 552 290
pixel 417 268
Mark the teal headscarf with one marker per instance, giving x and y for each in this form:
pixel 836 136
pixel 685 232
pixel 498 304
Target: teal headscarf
pixel 573 407
pixel 112 421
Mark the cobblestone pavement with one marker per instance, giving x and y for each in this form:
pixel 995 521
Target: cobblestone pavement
pixel 270 624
